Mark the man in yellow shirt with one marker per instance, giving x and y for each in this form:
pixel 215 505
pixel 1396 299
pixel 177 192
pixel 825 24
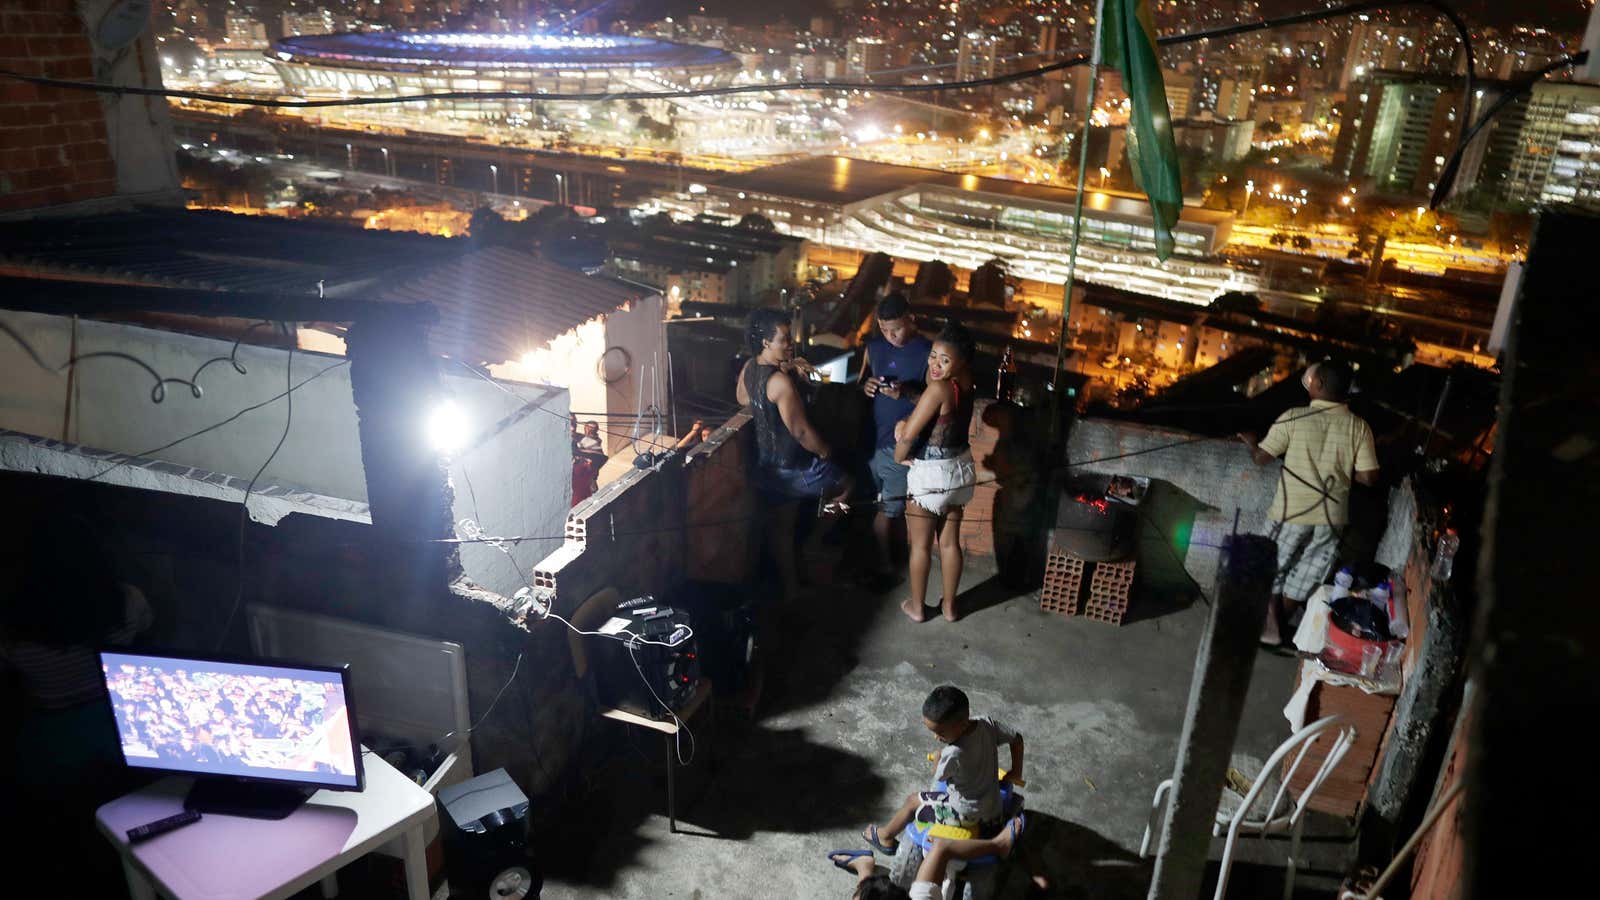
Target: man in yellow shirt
pixel 1324 447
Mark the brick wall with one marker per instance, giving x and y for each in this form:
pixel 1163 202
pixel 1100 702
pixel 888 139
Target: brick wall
pixel 53 145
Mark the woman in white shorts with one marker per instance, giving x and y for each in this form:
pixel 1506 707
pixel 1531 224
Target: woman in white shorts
pixel 933 442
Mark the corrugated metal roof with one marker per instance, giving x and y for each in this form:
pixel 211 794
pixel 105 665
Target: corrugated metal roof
pixel 497 303
pixel 216 250
pixel 494 303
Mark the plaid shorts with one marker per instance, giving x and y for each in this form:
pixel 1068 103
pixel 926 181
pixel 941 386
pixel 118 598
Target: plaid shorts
pixel 1306 554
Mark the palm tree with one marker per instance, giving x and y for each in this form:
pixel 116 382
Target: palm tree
pixel 1278 239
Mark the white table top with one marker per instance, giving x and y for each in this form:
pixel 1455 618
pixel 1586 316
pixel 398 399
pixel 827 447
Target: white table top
pixel 230 856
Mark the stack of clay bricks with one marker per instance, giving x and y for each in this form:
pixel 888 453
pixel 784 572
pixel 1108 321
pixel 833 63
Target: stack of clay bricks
pixel 1063 582
pixel 1109 586
pixel 1109 589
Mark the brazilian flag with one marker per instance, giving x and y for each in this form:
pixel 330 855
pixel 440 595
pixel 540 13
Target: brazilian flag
pixel 1128 42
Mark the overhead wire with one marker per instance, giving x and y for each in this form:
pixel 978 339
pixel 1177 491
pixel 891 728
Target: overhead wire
pixel 1463 34
pixel 244 504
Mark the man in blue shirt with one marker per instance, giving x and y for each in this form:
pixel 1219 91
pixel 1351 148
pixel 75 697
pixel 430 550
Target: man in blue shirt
pixel 893 373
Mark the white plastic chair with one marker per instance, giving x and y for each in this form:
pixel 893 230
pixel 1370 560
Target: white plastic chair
pixel 1238 821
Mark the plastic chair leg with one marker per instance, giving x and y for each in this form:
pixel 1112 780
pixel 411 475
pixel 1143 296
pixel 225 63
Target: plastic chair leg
pixel 1292 868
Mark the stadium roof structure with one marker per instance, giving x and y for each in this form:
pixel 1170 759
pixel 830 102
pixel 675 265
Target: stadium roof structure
pixel 424 49
pixel 845 181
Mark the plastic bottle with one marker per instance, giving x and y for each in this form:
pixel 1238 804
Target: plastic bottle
pixel 1444 556
pixel 1399 620
pixel 1341 585
pixel 1379 595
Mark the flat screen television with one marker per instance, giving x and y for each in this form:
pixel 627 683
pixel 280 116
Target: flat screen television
pixel 260 736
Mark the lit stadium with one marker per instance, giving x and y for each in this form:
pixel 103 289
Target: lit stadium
pixel 430 62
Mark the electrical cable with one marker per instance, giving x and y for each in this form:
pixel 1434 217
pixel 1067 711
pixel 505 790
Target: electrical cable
pixel 244 505
pixel 683 727
pixel 209 428
pixel 517 539
pixel 1513 90
pixel 515 668
pixel 1020 75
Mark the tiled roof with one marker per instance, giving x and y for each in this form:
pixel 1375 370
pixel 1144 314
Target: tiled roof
pixel 497 303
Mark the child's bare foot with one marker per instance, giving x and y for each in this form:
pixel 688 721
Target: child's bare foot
pixel 912 609
pixel 886 846
pixel 949 607
pixel 1008 837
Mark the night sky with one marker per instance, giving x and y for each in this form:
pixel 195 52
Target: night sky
pixel 1567 15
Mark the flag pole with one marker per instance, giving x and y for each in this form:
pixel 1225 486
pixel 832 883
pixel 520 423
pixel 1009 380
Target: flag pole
pixel 1077 203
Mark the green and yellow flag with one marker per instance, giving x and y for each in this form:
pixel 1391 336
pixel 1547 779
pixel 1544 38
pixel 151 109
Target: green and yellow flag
pixel 1128 42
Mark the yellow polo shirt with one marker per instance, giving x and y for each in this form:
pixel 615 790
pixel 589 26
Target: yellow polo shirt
pixel 1323 444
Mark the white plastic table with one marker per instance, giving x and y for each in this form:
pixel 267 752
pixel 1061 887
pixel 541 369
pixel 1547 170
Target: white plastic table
pixel 226 857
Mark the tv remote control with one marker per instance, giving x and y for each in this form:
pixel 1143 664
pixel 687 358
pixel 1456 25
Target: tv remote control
pixel 162 826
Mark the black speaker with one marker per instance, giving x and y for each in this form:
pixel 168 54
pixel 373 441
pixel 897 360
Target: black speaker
pixel 662 668
pixel 485 824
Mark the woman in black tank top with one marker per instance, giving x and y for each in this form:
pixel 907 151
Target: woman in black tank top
pixel 793 460
pixel 934 442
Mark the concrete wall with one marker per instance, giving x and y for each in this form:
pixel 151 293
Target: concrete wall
pixel 111 406
pixel 514 479
pixel 572 359
pixel 1218 475
pixel 639 330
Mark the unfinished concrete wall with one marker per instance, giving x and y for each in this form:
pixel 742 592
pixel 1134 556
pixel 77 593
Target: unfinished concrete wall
pixel 1217 474
pixel 106 403
pixel 652 528
pixel 514 478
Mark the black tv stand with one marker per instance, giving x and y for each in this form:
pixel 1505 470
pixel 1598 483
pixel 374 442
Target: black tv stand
pixel 251 799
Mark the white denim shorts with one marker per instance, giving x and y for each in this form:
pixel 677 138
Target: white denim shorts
pixel 940 485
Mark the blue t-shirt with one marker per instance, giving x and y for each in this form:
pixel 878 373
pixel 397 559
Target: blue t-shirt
pixel 908 363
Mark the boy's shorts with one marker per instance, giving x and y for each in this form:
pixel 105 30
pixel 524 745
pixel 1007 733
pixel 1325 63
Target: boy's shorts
pixel 890 479
pixel 935 809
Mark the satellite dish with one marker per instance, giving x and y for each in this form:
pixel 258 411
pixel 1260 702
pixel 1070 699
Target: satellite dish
pixel 122 23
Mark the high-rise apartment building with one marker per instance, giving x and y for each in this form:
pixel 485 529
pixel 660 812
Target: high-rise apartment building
pixel 1380 46
pixel 865 56
pixel 978 56
pixel 1557 159
pixel 1398 130
pixel 245 31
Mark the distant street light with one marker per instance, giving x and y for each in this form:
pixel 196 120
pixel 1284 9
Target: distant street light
pixel 387 169
pixel 1104 172
pixel 1249 188
pixel 494 172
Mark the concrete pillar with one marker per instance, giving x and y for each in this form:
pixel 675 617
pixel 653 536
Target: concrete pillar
pixel 395 383
pixel 1222 669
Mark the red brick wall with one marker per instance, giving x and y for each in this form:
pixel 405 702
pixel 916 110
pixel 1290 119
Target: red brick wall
pixel 1437 873
pixel 53 146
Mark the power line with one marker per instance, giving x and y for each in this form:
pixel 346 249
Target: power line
pixel 823 85
pixel 1446 180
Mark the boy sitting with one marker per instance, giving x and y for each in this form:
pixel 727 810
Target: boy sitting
pixel 966 789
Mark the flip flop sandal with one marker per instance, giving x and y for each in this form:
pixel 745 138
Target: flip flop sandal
pixel 850 856
pixel 872 839
pixel 1018 826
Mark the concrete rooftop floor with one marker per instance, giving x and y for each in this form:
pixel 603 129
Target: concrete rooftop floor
pixel 837 742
